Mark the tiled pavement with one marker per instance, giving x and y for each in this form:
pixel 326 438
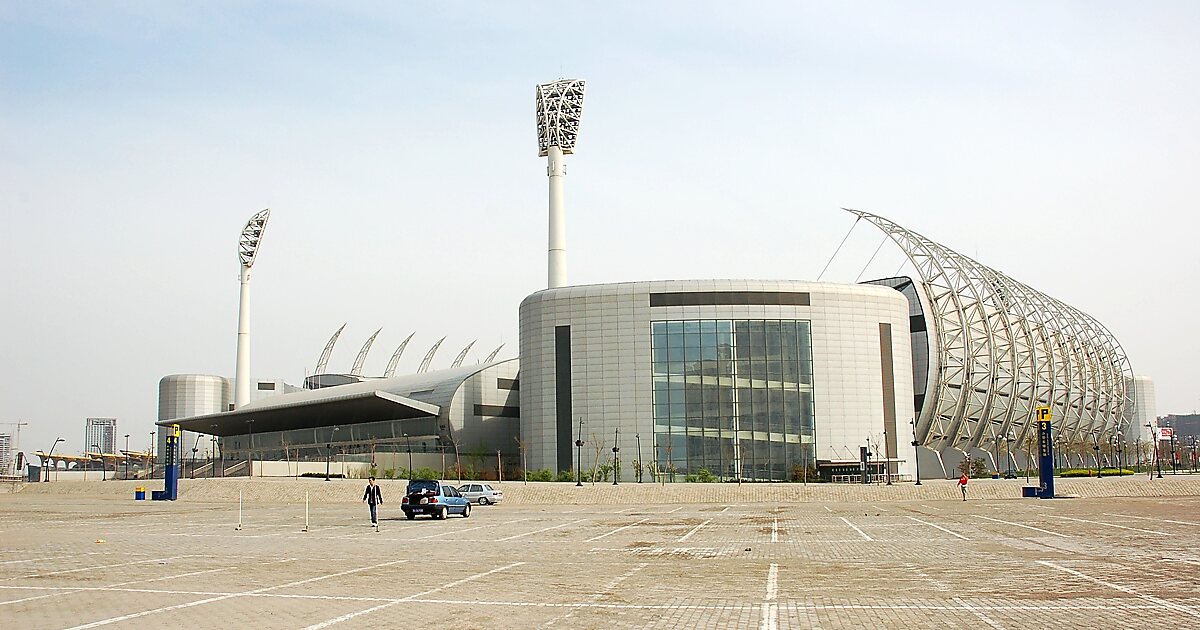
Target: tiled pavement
pixel 88 562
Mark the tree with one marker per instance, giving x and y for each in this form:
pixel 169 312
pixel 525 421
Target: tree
pixel 521 446
pixel 597 444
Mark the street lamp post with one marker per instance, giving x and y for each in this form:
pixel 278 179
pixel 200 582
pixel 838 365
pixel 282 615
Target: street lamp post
pixel 887 459
pixel 1157 460
pixel 1096 448
pixel 408 441
pixel 916 457
pixel 49 455
pixel 616 458
pixel 212 459
pixel 1008 465
pixel 328 450
pixel 641 462
pixel 579 456
pixel 250 424
pixel 1174 456
pixel 97 447
pixel 126 456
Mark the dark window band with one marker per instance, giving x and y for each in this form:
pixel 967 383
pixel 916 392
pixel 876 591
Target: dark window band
pixel 730 298
pixel 498 411
pixel 508 383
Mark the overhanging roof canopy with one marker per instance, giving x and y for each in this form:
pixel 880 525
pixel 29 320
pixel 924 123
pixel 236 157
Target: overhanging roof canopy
pixel 355 408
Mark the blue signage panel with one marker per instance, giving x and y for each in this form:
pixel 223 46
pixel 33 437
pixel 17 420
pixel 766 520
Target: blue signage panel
pixel 1045 460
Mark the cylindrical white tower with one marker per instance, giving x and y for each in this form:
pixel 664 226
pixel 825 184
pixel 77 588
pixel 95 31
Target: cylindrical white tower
pixel 241 375
pixel 557 261
pixel 559 109
pixel 247 252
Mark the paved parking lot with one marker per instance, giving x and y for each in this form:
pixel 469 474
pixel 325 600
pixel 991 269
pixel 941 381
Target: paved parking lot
pixel 1001 564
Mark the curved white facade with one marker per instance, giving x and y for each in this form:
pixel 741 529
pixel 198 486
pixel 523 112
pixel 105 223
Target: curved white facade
pixel 740 377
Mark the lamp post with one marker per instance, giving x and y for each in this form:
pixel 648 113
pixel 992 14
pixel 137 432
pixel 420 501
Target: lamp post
pixel 616 458
pixel 48 456
pixel 1008 465
pixel 887 459
pixel 1157 460
pixel 151 444
pixel 212 459
pixel 641 462
pixel 408 441
pixel 916 458
pixel 126 456
pixel 1096 448
pixel 1174 456
pixel 328 451
pixel 579 456
pixel 1137 447
pixel 250 424
pixel 97 447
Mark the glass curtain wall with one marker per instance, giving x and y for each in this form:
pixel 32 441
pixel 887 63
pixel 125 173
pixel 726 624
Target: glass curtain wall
pixel 733 397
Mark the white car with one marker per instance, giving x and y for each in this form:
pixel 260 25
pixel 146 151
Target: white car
pixel 481 493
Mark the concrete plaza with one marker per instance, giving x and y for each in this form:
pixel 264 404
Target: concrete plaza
pixel 74 560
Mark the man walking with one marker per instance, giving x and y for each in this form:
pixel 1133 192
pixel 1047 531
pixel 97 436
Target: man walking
pixel 962 485
pixel 373 498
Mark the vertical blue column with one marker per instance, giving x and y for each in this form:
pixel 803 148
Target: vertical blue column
pixel 1045 460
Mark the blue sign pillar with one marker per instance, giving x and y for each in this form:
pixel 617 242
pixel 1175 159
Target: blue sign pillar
pixel 171 462
pixel 1045 459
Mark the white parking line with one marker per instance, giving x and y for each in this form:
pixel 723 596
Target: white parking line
pixel 694 530
pixel 770 610
pixel 852 526
pixel 104 622
pixel 979 613
pixel 939 527
pixel 336 620
pixel 1134 529
pixel 775 531
pixel 617 530
pixel 1157 520
pixel 1187 610
pixel 92 553
pixel 1044 531
pixel 459 531
pixel 538 531
pixel 827 508
pixel 606 590
pixel 109 566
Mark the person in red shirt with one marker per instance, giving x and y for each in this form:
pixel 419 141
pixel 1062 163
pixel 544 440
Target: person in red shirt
pixel 962 485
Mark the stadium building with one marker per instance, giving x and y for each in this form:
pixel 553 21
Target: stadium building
pixel 750 379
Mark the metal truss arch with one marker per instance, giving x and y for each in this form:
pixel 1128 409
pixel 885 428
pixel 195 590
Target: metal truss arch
pixel 998 348
pixel 395 360
pixel 356 369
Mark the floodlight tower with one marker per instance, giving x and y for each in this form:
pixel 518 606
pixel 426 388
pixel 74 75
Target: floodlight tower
pixel 559 109
pixel 247 251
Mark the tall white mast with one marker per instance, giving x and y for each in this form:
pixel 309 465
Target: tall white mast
pixel 559 110
pixel 247 251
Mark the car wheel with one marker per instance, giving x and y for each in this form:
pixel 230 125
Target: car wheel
pixel 409 515
pixel 483 501
pixel 467 511
pixel 444 514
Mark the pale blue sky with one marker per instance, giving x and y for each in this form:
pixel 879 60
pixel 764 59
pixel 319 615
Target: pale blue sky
pixel 396 148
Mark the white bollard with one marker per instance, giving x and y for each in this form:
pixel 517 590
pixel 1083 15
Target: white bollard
pixel 239 525
pixel 306 511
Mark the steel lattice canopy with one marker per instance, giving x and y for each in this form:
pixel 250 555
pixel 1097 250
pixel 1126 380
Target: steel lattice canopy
pixel 559 109
pixel 251 236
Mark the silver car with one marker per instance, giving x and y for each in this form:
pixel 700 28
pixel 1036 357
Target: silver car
pixel 481 493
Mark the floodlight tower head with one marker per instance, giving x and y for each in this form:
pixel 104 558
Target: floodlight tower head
pixel 251 237
pixel 247 251
pixel 559 110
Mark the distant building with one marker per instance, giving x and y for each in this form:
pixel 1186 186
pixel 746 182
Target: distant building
pixel 6 454
pixel 102 433
pixel 1185 425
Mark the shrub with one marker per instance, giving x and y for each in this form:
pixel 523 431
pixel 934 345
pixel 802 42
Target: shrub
pixel 566 475
pixel 545 474
pixel 425 473
pixel 389 473
pixel 691 478
pixel 313 475
pixel 705 476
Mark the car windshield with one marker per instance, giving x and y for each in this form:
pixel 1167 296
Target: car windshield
pixel 422 485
